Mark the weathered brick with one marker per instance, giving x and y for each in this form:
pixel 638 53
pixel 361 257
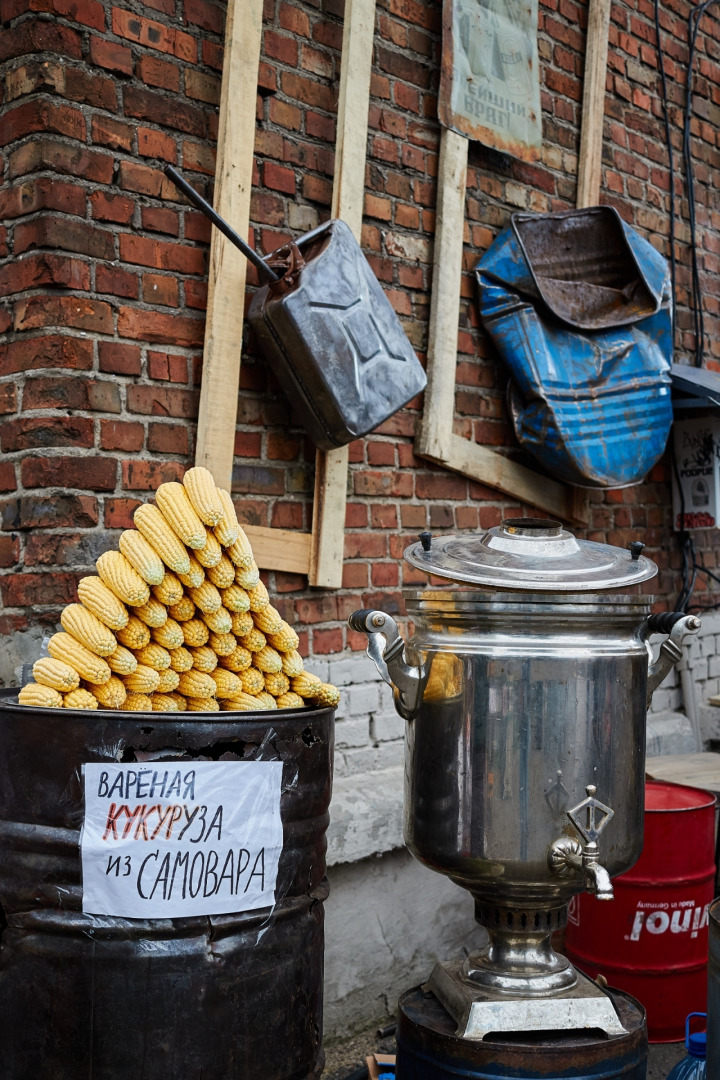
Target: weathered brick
pixel 161 255
pixel 66 234
pixel 168 439
pixel 162 401
pixel 36 270
pixel 111 55
pixel 41 116
pixel 57 392
pixel 107 131
pixel 46 351
pixel 78 312
pixel 146 105
pixel 121 435
pixel 117 282
pixel 58 512
pixel 32 590
pixel 72 159
pixel 119 512
pixel 89 473
pixel 149 475
pixel 32 432
pixel 160 328
pixel 154 35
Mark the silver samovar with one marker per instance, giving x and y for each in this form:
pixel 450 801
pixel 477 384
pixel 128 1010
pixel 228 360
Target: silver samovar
pixel 525 688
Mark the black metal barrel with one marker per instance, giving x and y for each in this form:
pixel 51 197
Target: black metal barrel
pixel 429 1049
pixel 219 997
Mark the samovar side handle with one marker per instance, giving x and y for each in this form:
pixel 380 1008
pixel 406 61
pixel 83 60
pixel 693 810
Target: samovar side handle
pixel 678 625
pixel 386 649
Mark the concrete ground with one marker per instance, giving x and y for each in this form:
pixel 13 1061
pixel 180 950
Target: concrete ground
pixel 344 1056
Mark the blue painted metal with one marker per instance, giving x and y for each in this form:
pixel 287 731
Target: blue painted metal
pixel 579 307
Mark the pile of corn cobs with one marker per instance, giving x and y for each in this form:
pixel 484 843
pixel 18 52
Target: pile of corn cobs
pixel 177 619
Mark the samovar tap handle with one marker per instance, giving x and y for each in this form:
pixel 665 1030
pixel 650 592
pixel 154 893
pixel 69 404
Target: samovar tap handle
pixel 567 853
pixel 678 626
pixel 386 649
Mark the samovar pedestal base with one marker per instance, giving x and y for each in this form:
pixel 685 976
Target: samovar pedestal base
pixel 480 1011
pixel 429 1049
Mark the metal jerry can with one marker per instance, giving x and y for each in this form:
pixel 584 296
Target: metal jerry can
pixel 332 338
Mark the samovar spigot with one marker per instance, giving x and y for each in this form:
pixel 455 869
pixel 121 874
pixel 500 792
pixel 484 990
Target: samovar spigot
pixel 386 649
pixel 566 854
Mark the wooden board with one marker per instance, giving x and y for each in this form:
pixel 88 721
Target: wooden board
pixel 328 529
pixel 217 414
pixel 593 110
pixel 435 439
pixel 695 770
pixel 280 549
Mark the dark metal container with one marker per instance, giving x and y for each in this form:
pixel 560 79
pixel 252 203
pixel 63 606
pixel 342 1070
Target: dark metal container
pixel 220 997
pixel 429 1049
pixel 713 999
pixel 332 338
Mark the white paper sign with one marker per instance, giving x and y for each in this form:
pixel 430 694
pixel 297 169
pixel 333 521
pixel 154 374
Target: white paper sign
pixel 167 840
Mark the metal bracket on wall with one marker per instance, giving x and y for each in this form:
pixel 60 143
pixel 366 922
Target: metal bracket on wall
pixel 318 554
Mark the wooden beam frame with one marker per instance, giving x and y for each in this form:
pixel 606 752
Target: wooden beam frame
pixel 318 554
pixel 593 110
pixel 435 439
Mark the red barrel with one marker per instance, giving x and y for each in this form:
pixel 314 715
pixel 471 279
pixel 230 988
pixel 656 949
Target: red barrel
pixel 652 939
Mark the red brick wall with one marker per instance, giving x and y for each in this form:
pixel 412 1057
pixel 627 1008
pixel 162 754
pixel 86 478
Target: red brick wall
pixel 103 270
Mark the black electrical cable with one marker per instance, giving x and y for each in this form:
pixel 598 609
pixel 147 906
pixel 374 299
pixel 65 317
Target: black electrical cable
pixel 694 20
pixel 671 164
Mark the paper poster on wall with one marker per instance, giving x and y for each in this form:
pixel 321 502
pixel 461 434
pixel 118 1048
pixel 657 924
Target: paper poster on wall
pixel 490 74
pixel 173 839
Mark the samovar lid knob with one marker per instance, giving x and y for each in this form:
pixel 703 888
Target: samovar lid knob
pixel 425 539
pixel 590 791
pixel 636 549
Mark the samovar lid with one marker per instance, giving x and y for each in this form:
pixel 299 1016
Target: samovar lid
pixel 530 554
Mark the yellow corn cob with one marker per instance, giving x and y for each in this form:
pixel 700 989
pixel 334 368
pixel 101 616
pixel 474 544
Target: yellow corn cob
pixel 177 510
pixel 254 641
pixel 238 660
pixel 169 635
pixel 204 659
pixel 71 652
pixel 135 635
pixel 42 697
pixel 163 703
pixel 201 490
pixel 242 623
pixel 206 598
pixel 276 683
pixel 211 553
pixel 220 621
pixel 290 701
pixel 94 594
pixel 243 703
pixel 204 704
pixel 222 575
pixel 144 680
pixel 227 529
pixel 268 659
pixel 222 644
pixel 258 596
pixel 267 699
pixel 180 701
pixel 195 633
pixel 196 684
pixel 122 578
pixel 140 554
pixel 247 577
pixel 252 681
pixel 235 599
pixel 327 695
pixel 180 659
pixel 56 674
pixel 137 703
pixel 169 591
pixel 111 695
pixel 194 576
pixel 169 680
pixel 227 685
pixel 292 663
pixel 153 656
pixel 122 661
pixel 152 614
pixel 269 620
pixel 183 610
pixel 88 630
pixel 240 553
pixel 161 538
pixel 80 699
pixel 285 640
pixel 306 685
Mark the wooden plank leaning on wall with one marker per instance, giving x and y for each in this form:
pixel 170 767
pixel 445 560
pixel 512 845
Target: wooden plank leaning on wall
pixel 435 439
pixel 320 553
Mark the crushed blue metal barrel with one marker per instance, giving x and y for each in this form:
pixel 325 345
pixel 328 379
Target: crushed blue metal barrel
pixel 579 306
